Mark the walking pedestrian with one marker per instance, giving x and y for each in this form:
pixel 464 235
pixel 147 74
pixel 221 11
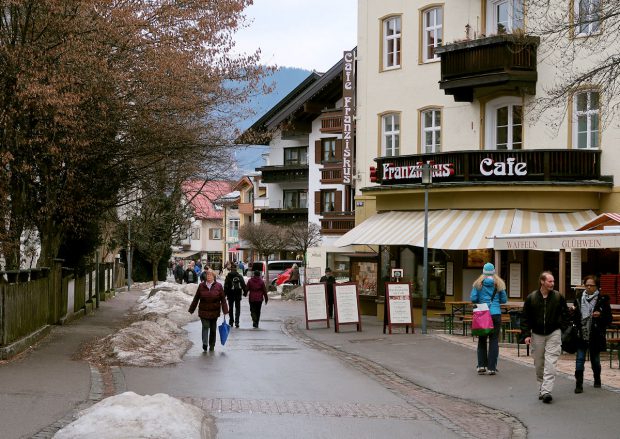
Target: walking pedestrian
pixel 294 277
pixel 591 315
pixel 179 272
pixel 545 316
pixel 257 292
pixel 234 286
pixel 211 302
pixel 190 276
pixel 329 280
pixel 489 288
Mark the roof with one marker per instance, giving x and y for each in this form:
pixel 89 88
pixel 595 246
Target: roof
pixel 230 197
pixel 202 196
pixel 243 182
pixel 602 221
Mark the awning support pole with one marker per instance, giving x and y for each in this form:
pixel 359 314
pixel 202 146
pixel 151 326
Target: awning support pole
pixel 562 273
pixel 498 261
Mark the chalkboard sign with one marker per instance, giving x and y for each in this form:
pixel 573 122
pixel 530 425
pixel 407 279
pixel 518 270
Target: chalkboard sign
pixel 346 305
pixel 315 300
pixel 398 303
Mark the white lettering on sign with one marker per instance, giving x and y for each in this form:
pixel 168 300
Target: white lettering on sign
pixel 391 172
pixel 348 113
pixel 490 167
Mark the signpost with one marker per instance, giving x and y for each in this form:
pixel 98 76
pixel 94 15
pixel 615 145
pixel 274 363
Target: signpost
pixel 346 306
pixel 398 305
pixel 315 301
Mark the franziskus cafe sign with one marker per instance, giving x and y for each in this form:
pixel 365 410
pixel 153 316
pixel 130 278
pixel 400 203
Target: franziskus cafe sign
pixel 488 168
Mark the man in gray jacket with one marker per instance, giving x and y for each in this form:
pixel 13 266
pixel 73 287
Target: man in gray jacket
pixel 545 316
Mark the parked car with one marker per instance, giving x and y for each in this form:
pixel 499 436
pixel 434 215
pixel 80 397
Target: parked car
pixel 275 268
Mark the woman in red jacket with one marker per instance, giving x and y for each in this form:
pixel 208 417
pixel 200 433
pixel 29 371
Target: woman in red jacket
pixel 258 291
pixel 212 301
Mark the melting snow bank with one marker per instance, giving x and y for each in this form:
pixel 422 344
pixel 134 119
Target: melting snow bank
pixel 129 415
pixel 157 338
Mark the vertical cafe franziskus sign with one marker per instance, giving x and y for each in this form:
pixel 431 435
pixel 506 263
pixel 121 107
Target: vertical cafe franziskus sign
pixel 348 112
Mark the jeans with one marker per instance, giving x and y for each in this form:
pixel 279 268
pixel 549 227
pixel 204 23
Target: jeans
pixel 236 304
pixel 580 361
pixel 209 328
pixel 255 312
pixel 489 360
pixel 546 350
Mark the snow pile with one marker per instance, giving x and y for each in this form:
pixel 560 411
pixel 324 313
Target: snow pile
pixel 169 300
pixel 129 415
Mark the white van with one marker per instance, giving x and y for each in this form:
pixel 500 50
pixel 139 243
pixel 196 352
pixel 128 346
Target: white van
pixel 275 268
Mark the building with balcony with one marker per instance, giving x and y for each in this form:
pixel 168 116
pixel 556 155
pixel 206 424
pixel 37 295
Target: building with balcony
pixel 458 85
pixel 309 170
pixel 252 200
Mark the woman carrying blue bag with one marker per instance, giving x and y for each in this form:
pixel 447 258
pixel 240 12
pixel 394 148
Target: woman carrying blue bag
pixel 210 301
pixel 490 289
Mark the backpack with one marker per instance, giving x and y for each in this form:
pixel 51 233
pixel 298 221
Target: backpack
pixel 236 284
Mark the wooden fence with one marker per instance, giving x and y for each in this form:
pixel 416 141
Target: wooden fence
pixel 32 299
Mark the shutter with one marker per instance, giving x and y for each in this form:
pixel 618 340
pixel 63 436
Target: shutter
pixel 210 233
pixel 338 201
pixel 317 202
pixel 318 156
pixel 338 149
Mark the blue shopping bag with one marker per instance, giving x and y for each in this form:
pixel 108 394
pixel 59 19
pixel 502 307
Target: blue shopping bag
pixel 224 329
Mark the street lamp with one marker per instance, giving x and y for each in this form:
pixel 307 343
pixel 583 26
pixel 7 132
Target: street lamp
pixel 427 180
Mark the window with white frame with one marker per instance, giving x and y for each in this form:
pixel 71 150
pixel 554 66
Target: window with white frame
pixel 391 42
pixel 431 130
pixel 587 17
pixel 586 119
pixel 233 228
pixel 195 233
pixel 432 33
pixel 504 124
pixel 390 133
pixel 504 16
pixel 215 233
pixel 329 201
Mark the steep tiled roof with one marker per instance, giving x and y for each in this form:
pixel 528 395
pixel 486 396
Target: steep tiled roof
pixel 202 196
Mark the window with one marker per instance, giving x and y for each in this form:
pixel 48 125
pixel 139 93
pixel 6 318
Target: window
pixel 587 17
pixel 329 200
pixel 390 133
pixel 432 28
pixel 504 124
pixel 504 16
pixel 391 43
pixel 215 233
pixel 233 227
pixel 296 156
pixel 328 150
pixel 431 130
pixel 195 233
pixel 586 119
pixel 296 199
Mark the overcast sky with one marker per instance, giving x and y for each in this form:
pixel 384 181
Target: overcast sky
pixel 311 34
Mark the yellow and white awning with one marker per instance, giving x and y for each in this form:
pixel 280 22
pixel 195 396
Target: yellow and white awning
pixel 458 229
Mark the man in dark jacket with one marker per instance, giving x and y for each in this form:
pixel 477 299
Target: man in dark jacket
pixel 179 272
pixel 545 316
pixel 234 286
pixel 329 280
pixel 190 276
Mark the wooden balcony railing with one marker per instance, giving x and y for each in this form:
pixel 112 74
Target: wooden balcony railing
pixel 331 122
pixel 567 165
pixel 246 208
pixel 283 173
pixel 472 68
pixel 331 174
pixel 337 223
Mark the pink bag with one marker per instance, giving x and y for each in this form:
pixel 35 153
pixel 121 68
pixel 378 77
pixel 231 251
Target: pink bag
pixel 482 322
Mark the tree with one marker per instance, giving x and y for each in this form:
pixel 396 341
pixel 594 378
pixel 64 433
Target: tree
pixel 264 238
pixel 95 94
pixel 579 43
pixel 302 235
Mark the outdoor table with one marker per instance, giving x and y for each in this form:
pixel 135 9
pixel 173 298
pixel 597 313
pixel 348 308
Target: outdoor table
pixel 456 307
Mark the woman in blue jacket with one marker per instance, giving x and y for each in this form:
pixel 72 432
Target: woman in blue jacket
pixel 489 288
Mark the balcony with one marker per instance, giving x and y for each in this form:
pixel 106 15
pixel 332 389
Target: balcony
pixel 331 173
pixel 284 215
pixel 246 208
pixel 476 68
pixel 337 223
pixel 284 173
pixel 503 166
pixel 331 122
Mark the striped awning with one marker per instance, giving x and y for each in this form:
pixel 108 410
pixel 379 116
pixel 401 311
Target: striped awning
pixel 457 229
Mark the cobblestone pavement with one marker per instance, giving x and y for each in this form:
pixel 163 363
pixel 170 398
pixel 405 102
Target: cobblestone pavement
pixel 464 418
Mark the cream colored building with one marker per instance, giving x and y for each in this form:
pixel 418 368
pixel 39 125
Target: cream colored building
pixel 458 83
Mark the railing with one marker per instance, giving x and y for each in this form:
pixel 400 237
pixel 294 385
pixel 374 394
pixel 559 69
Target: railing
pixel 540 165
pixel 261 203
pixel 246 208
pixel 331 174
pixel 331 122
pixel 337 223
pixel 282 173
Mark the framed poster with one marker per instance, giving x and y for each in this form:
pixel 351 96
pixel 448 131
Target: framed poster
pixel 398 303
pixel 514 275
pixel 575 266
pixel 346 305
pixel 477 258
pixel 449 278
pixel 315 301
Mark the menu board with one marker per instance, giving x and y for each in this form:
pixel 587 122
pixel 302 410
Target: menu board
pixel 575 266
pixel 346 303
pixel 514 276
pixel 316 304
pixel 399 303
